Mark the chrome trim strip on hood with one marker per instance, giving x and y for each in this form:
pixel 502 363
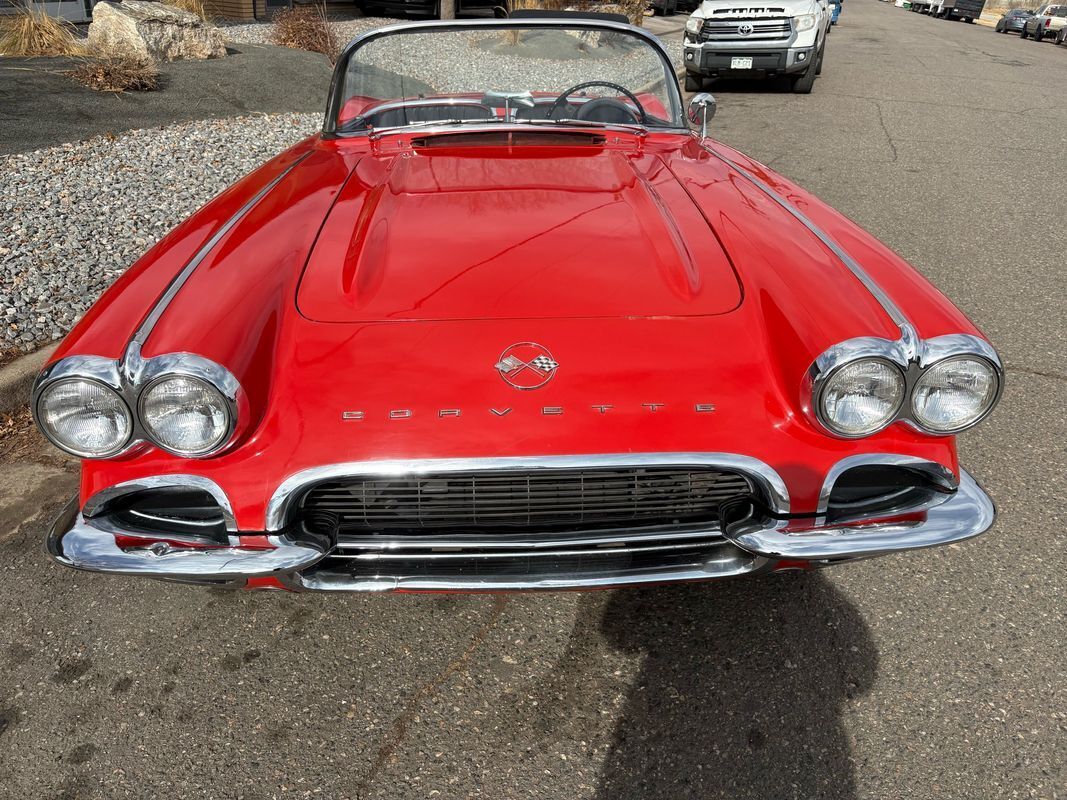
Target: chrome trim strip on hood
pixel 908 334
pixel 145 328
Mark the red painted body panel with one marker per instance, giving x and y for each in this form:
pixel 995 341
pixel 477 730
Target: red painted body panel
pixel 932 313
pixel 634 364
pixel 514 233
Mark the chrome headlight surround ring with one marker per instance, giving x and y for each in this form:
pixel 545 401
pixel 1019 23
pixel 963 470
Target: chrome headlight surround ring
pixel 130 377
pixel 89 369
pixel 945 348
pixel 867 348
pixel 189 365
pixel 913 358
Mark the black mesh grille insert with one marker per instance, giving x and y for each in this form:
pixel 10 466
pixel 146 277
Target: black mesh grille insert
pixel 587 498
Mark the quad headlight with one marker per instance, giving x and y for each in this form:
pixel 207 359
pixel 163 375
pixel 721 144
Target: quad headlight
pixel 84 417
pixel 862 397
pixel 954 394
pixel 185 414
pixel 939 386
pixel 96 407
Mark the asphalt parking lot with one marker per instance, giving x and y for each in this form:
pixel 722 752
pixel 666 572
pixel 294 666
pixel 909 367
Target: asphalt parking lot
pixel 940 674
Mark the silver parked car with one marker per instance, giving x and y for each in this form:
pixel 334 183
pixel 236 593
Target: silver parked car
pixel 1013 21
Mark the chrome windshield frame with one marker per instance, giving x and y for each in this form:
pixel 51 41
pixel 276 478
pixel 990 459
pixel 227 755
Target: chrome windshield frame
pixel 335 101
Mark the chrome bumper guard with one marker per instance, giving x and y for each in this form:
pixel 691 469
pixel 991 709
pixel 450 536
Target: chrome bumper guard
pixel 753 544
pixel 967 513
pixel 89 544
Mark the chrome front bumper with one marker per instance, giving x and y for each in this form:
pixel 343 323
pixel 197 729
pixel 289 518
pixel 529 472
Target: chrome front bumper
pixel 967 513
pixel 749 545
pixel 90 544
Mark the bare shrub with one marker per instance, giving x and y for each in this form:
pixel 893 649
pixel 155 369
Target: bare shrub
pixel 29 32
pixel 306 28
pixel 117 73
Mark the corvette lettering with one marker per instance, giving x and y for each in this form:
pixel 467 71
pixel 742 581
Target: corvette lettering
pixel 545 411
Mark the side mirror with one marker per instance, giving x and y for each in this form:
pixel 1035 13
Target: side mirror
pixel 701 109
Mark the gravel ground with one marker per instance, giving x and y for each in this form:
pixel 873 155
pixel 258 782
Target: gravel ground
pixel 73 217
pixel 440 67
pixel 260 32
pixel 542 60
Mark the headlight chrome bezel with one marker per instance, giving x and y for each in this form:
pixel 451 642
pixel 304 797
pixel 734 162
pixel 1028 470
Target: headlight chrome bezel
pixel 913 415
pixel 130 378
pixel 826 382
pixel 913 359
pixel 175 365
pixel 38 416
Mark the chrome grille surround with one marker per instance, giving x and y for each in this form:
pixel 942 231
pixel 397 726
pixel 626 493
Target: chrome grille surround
pixel 531 554
pixel 728 30
pixel 765 481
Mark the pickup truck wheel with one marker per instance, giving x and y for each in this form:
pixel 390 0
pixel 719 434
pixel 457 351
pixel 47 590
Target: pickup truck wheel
pixel 1023 34
pixel 693 82
pixel 805 82
pixel 822 55
pixel 1039 35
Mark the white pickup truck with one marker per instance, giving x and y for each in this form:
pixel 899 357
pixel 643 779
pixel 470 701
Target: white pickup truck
pixel 1046 23
pixel 725 39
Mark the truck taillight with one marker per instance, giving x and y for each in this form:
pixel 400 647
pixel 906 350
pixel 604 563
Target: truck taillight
pixel 1048 23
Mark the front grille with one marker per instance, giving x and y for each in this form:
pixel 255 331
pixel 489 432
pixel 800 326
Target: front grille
pixel 518 527
pixel 723 30
pixel 507 501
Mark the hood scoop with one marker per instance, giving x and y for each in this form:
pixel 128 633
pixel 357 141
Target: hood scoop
pixel 510 139
pixel 518 233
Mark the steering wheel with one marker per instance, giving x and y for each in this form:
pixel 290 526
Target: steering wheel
pixel 560 101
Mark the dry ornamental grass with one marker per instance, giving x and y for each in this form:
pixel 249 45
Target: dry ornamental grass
pixel 118 73
pixel 634 9
pixel 192 6
pixel 33 33
pixel 306 28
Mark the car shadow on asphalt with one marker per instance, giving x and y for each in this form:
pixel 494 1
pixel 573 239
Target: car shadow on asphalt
pixel 741 690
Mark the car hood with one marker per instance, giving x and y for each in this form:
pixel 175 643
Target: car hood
pixel 496 233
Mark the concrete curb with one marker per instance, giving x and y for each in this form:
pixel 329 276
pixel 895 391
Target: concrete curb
pixel 16 378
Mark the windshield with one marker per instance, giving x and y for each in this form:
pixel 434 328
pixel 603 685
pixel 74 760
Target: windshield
pixel 545 72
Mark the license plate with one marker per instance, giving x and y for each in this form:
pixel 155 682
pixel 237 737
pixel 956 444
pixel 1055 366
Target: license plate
pixel 740 63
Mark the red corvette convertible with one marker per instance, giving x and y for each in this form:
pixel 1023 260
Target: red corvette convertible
pixel 508 323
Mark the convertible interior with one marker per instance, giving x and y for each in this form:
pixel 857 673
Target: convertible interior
pixel 423 110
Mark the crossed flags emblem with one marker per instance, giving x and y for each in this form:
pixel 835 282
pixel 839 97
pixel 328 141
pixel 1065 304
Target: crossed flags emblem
pixel 542 365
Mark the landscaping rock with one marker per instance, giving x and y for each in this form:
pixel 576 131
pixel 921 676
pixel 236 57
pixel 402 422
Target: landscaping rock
pixel 153 30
